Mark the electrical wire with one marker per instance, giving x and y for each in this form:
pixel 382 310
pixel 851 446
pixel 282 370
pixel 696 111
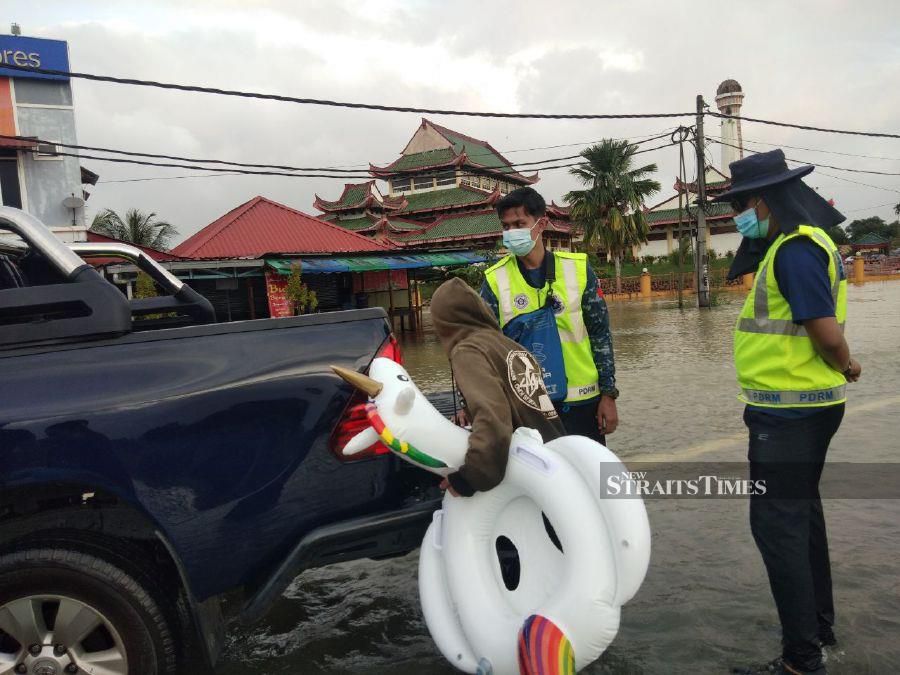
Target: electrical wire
pixel 342 104
pixel 804 127
pixel 122 160
pixel 797 147
pixel 824 166
pixel 429 111
pixel 277 167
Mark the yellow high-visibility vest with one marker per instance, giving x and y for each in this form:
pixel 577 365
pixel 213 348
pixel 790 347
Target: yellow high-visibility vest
pixel 516 297
pixel 776 361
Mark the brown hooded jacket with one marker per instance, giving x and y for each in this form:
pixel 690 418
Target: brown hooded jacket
pixel 499 379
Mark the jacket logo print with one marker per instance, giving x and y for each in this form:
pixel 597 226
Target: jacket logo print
pixel 527 381
pixel 521 301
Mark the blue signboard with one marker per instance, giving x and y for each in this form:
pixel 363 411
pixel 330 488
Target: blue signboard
pixel 33 53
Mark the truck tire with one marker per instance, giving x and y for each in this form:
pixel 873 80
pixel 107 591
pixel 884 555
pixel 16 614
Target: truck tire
pixel 64 611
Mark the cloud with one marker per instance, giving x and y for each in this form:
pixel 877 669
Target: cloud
pixel 829 63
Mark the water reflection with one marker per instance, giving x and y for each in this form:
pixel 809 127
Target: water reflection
pixel 705 604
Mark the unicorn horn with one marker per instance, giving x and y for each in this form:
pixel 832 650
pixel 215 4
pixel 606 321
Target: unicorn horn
pixel 362 382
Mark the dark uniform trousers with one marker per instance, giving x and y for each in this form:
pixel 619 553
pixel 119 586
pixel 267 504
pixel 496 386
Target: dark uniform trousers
pixel 581 420
pixel 789 526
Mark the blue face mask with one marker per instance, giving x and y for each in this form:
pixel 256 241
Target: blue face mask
pixel 518 241
pixel 750 226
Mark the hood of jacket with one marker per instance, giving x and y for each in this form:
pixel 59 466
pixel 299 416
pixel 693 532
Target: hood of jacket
pixel 458 312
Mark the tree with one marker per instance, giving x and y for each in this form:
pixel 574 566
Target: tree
pixel 300 296
pixel 873 225
pixel 138 227
pixel 897 210
pixel 838 235
pixel 609 208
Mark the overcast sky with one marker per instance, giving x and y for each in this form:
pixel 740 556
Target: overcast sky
pixel 830 63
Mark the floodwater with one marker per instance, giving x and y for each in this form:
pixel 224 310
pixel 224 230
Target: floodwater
pixel 705 604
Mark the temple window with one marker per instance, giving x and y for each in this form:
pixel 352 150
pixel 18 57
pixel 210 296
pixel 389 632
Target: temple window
pixel 400 184
pixel 423 182
pixel 448 178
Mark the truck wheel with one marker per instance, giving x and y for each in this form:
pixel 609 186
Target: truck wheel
pixel 62 611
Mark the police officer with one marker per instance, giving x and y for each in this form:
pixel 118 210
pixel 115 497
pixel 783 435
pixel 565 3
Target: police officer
pixel 793 365
pixel 560 290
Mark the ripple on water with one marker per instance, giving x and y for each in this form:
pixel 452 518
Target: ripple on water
pixel 705 604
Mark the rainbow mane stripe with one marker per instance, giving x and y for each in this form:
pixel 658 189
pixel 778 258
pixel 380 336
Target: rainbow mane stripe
pixel 544 649
pixel 395 444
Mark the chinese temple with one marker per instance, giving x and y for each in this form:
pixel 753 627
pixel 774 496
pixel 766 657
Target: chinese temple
pixel 440 194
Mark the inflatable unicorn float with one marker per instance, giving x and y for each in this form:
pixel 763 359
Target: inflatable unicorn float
pixel 561 610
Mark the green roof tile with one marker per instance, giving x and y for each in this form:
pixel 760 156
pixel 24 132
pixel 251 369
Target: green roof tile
pixel 714 210
pixel 438 198
pixel 459 226
pixel 353 224
pixel 871 239
pixel 420 159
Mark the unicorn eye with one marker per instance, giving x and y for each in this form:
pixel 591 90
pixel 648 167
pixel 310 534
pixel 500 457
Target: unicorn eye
pixel 403 378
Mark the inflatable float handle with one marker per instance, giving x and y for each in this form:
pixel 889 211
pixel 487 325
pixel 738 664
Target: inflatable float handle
pixel 533 460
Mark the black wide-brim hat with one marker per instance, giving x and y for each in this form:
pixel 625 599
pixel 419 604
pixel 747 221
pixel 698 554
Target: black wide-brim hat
pixel 759 171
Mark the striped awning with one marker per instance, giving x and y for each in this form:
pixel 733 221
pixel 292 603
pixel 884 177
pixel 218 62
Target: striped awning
pixel 332 265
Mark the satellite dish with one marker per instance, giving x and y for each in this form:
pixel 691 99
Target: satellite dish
pixel 73 202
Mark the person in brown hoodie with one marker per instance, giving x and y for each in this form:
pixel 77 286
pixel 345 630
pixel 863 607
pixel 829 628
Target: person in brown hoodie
pixel 500 381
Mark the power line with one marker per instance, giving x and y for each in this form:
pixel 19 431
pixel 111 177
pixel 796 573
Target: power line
pixel 278 167
pixel 338 104
pixel 804 127
pixel 826 166
pixel 827 152
pixel 869 208
pixel 232 172
pixel 151 178
pixel 427 111
pixel 822 173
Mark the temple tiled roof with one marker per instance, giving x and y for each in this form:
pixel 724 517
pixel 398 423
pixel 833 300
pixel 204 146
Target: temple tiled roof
pixel 463 151
pixel 715 211
pixel 360 196
pixel 354 224
pixel 478 151
pixel 455 226
pixel 420 160
pixel 435 199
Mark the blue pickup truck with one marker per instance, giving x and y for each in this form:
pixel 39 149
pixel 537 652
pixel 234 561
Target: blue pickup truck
pixel 161 474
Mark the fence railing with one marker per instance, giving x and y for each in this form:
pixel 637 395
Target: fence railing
pixel 889 265
pixel 667 282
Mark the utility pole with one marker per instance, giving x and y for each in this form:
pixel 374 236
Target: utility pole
pixel 702 261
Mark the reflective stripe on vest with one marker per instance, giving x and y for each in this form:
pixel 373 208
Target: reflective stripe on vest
pixel 776 361
pixel 796 397
pixel 761 323
pixel 507 283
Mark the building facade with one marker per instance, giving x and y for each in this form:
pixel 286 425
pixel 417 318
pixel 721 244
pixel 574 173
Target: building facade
pixel 440 194
pixel 663 218
pixel 37 113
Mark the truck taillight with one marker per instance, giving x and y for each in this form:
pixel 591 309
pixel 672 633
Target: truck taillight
pixel 354 419
pixel 391 349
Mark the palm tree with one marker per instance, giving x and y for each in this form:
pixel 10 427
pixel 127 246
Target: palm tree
pixel 610 207
pixel 138 228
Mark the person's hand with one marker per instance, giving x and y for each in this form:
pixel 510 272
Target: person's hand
pixel 855 370
pixel 445 485
pixel 607 415
pixel 460 419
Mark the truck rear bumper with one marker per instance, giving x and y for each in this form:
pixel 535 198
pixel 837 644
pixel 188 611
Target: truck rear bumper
pixel 375 536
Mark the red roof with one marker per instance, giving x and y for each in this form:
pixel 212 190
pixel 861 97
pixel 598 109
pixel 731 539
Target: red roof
pixel 261 227
pixel 156 254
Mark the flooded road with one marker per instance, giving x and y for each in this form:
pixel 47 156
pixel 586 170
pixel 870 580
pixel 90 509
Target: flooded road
pixel 705 604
